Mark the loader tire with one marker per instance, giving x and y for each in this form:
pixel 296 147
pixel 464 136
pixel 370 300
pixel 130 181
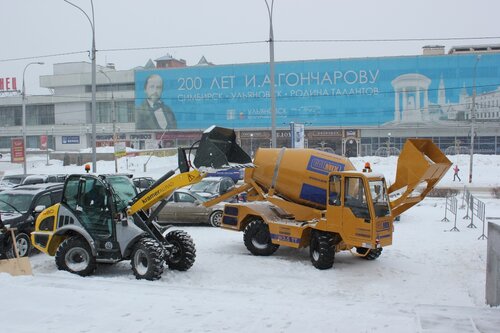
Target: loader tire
pixel 183 253
pixel 75 256
pixel 147 259
pixel 322 250
pixel 372 254
pixel 257 239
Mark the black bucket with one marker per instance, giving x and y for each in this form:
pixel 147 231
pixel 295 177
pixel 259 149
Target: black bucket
pixel 218 149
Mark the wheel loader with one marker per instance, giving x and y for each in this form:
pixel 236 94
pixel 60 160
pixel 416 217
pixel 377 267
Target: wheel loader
pixel 308 198
pixel 101 219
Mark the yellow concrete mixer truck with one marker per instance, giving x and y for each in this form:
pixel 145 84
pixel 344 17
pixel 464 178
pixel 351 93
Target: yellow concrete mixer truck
pixel 305 197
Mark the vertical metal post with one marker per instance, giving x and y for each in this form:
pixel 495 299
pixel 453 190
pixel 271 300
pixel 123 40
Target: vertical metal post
pixel 271 65
pixel 473 120
pixel 23 97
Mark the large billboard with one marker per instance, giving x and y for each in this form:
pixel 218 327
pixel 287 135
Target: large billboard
pixel 340 92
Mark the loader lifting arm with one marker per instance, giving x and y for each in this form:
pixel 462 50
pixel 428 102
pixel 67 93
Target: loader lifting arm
pixel 217 149
pixel 421 165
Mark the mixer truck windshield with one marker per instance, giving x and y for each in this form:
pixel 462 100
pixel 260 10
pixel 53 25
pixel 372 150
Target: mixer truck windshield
pixel 380 198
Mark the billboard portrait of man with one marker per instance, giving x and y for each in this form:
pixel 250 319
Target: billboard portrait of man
pixel 153 114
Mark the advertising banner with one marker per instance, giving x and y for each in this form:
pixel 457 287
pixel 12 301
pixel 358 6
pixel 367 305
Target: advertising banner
pixel 341 92
pixel 17 150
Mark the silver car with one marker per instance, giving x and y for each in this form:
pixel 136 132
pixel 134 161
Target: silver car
pixel 184 206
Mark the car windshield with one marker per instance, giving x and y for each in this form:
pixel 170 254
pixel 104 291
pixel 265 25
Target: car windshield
pixel 15 202
pixel 209 186
pixel 124 188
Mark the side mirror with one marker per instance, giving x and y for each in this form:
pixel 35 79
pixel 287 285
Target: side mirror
pixel 197 202
pixel 39 209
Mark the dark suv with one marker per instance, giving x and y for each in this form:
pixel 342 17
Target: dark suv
pixel 19 207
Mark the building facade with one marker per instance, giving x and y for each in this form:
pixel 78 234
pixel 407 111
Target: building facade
pixel 349 106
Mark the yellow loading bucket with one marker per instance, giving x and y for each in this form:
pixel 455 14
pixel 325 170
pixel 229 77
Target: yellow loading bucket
pixel 421 165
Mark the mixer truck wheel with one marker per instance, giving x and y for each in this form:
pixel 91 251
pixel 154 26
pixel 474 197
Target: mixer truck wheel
pixel 322 250
pixel 372 254
pixel 257 239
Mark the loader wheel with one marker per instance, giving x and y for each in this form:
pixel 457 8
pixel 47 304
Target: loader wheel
pixel 183 252
pixel 216 218
pixel 372 254
pixel 75 256
pixel 322 250
pixel 257 239
pixel 147 259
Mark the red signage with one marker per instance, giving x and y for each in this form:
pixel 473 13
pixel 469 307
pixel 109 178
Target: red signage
pixel 8 83
pixel 43 142
pixel 17 150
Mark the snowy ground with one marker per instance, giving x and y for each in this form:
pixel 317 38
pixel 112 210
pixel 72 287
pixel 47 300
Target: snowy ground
pixel 429 280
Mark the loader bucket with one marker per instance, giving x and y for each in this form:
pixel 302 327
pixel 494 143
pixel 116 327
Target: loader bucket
pixel 18 265
pixel 421 165
pixel 218 150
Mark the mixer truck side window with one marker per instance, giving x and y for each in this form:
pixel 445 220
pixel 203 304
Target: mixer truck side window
pixel 335 186
pixel 355 197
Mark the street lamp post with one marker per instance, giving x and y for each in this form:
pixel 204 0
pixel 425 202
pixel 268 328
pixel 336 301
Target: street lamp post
pixel 388 144
pixel 271 65
pixel 23 97
pixel 251 145
pixel 93 58
pixel 113 115
pixel 473 120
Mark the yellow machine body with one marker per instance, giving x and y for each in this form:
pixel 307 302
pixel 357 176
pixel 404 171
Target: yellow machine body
pixel 298 191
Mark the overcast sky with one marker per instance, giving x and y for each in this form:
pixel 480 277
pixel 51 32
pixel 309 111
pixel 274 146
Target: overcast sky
pixel 35 28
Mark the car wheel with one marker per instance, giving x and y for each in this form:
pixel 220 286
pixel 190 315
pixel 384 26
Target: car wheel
pixel 75 256
pixel 216 218
pixel 23 244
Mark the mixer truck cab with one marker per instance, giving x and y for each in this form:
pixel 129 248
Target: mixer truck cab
pixel 358 209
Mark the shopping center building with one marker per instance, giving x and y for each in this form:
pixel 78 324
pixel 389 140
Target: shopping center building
pixel 355 106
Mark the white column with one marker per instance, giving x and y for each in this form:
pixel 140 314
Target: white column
pixel 396 107
pixel 405 105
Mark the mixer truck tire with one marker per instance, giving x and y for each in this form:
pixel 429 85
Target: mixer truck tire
pixel 372 254
pixel 322 249
pixel 257 238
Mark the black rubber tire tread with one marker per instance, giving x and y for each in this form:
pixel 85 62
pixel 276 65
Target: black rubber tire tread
pixel 27 239
pixel 68 244
pixel 212 218
pixel 258 231
pixel 155 259
pixel 372 254
pixel 186 255
pixel 322 245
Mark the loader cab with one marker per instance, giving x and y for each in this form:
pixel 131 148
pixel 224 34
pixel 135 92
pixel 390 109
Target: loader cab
pixel 358 205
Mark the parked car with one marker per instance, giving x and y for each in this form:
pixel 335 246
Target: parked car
pixel 6 185
pixel 143 183
pixel 234 174
pixel 39 179
pixel 184 206
pixel 19 207
pixel 15 179
pixel 211 187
